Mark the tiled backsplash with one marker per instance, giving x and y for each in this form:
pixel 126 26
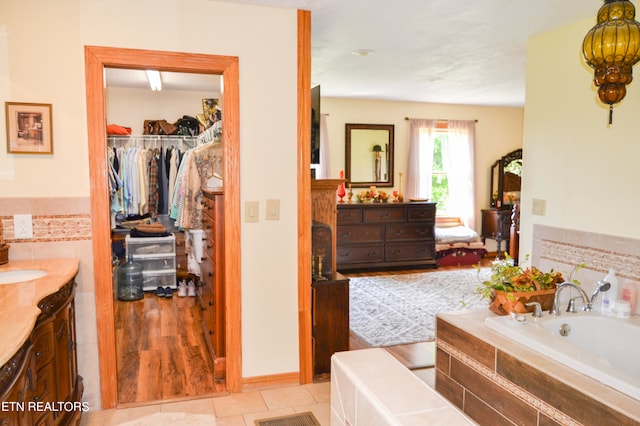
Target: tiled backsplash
pixel 564 249
pixel 50 228
pixel 62 228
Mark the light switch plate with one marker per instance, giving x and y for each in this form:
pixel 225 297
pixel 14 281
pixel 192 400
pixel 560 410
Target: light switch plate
pixel 22 226
pixel 538 207
pixel 251 211
pixel 273 210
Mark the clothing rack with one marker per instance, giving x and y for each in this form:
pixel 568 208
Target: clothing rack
pixel 153 141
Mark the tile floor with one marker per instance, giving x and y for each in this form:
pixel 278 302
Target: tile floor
pixel 241 409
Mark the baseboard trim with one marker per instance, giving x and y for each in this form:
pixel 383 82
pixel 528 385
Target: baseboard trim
pixel 271 381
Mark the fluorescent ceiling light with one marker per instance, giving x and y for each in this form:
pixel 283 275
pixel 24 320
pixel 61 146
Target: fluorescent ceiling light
pixel 154 80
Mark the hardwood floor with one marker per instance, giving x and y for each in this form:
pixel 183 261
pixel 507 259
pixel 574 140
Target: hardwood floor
pixel 162 355
pixel 161 352
pixel 414 355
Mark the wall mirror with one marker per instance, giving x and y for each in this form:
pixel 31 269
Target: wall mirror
pixel 369 155
pixel 506 175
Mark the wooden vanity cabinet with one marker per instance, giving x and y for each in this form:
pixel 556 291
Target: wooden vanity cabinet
pixel 386 235
pixel 211 295
pixel 41 380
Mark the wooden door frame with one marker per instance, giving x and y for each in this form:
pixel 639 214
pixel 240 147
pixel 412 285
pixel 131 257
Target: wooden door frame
pixel 304 197
pixel 96 59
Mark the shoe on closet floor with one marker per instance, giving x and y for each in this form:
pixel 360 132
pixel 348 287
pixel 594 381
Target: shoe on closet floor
pixel 182 289
pixel 160 292
pixel 168 292
pixel 191 289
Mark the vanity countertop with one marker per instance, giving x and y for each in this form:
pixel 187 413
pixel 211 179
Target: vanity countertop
pixel 19 301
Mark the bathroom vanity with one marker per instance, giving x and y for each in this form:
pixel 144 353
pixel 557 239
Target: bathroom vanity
pixel 39 381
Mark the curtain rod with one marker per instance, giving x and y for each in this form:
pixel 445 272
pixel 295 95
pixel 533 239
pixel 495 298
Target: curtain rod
pixel 438 119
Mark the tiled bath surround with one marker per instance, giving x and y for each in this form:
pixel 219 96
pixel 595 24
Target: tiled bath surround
pixel 62 228
pixel 563 249
pixel 497 381
pixel 493 379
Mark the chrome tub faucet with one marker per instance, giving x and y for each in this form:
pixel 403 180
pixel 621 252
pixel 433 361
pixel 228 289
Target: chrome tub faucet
pixel 555 310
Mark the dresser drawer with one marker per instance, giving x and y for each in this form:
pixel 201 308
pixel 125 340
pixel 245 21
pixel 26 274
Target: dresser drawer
pixel 347 216
pixel 360 254
pixel 422 213
pixel 351 234
pixel 409 251
pixel 408 232
pixel 384 214
pixel 208 206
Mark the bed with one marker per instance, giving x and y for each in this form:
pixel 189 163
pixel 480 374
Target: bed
pixel 457 244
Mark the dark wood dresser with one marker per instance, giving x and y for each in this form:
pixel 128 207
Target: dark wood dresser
pixel 211 296
pixel 386 235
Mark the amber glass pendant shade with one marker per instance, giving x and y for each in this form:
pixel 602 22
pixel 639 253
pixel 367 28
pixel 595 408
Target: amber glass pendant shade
pixel 611 48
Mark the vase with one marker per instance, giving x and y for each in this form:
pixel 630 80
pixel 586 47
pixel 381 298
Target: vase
pixel 341 192
pixel 506 302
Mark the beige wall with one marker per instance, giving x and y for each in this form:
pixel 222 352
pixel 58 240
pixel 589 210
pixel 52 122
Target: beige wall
pixel 42 60
pixel 130 107
pixel 586 170
pixel 498 132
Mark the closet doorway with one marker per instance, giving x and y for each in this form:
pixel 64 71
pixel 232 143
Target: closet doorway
pixel 96 60
pixel 161 348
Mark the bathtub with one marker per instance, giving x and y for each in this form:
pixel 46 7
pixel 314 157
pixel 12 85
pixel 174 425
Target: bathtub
pixel 604 348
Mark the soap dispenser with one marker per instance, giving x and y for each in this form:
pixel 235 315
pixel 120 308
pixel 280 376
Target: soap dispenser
pixel 609 297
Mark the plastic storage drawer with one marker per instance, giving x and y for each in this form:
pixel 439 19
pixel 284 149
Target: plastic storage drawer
pixel 151 245
pixel 155 262
pixel 151 280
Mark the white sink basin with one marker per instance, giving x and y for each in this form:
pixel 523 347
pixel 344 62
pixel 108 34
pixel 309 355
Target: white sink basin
pixel 10 277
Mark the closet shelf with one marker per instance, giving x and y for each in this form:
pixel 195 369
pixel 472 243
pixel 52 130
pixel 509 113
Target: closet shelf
pixel 152 141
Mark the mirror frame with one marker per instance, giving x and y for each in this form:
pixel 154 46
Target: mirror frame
pixel 349 141
pixel 497 179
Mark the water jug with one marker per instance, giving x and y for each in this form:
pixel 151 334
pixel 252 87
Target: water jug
pixel 130 280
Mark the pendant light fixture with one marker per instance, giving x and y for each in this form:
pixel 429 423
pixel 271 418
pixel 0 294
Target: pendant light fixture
pixel 611 48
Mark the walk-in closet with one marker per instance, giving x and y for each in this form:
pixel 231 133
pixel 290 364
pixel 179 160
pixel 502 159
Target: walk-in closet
pixel 166 197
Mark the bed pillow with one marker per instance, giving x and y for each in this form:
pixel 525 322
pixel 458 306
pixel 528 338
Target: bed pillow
pixel 457 234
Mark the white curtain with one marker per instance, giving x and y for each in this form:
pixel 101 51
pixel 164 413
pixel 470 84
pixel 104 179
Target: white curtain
pixel 420 160
pixel 323 170
pixel 459 158
pixel 460 151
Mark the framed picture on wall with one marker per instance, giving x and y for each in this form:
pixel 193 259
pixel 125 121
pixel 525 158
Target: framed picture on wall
pixel 29 128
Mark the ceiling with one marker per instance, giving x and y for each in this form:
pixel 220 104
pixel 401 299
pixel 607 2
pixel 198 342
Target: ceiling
pixel 441 51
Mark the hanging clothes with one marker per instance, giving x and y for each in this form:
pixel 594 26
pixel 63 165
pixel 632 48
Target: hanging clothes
pixel 198 165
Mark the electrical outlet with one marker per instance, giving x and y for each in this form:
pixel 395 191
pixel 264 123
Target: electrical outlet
pixel 22 226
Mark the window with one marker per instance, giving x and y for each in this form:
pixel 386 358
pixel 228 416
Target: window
pixel 441 166
pixel 440 175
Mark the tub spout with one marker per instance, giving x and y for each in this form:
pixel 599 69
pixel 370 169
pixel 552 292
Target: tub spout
pixel 555 310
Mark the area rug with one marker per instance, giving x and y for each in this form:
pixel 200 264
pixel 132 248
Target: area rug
pixel 173 419
pixel 398 309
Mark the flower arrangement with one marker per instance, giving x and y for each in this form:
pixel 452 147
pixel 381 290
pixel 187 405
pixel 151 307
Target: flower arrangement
pixel 510 278
pixel 372 194
pixel 510 287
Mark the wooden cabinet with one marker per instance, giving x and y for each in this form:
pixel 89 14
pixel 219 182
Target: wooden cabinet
pixel 329 294
pixel 496 225
pixel 386 235
pixel 330 319
pixel 41 380
pixel 211 295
